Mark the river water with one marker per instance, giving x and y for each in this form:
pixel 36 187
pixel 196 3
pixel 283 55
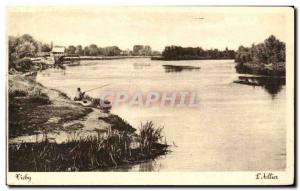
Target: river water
pixel 234 127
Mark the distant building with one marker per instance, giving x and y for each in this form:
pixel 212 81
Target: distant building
pixel 58 51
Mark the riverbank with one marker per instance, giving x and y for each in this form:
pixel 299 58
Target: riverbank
pixel 34 64
pixel 37 111
pixel 33 107
pixel 70 58
pixel 90 154
pixel 265 58
pixel 276 69
pixel 188 58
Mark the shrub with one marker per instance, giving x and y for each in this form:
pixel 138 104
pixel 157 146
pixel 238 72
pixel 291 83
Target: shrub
pixel 23 65
pixel 74 155
pixel 64 95
pixel 149 136
pixel 84 154
pixel 39 99
pixel 17 93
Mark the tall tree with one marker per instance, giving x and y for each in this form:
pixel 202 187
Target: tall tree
pixel 86 51
pixel 45 48
pixel 111 51
pixel 24 46
pixel 19 48
pixel 271 51
pixel 71 49
pixel 93 50
pixel 137 49
pixel 79 50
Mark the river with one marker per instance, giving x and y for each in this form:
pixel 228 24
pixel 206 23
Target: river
pixel 234 127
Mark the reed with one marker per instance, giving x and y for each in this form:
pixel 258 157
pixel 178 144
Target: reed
pixel 86 154
pixel 149 137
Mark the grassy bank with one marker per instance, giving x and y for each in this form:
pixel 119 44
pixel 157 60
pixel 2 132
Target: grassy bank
pixel 91 153
pixel 33 107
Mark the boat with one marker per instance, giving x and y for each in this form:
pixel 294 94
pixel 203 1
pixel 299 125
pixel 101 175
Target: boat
pixel 96 103
pixel 246 82
pixel 85 103
pixel 179 68
pixel 28 74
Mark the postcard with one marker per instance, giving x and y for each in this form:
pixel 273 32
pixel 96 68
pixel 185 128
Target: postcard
pixel 161 95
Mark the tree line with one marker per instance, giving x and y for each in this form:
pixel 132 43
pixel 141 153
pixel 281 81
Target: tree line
pixel 271 51
pixel 27 46
pixel 141 50
pixel 22 47
pixel 178 52
pixel 266 58
pixel 93 50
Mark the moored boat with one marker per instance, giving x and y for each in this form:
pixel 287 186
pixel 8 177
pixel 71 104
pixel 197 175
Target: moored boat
pixel 105 106
pixel 252 83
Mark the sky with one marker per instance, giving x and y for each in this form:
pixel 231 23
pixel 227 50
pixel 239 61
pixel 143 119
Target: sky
pixel 206 27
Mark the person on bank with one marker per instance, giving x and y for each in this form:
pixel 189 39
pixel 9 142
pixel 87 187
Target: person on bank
pixel 79 95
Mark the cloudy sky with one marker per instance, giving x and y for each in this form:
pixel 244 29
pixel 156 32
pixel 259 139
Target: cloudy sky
pixel 208 27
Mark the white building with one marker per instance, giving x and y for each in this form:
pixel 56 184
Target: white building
pixel 58 51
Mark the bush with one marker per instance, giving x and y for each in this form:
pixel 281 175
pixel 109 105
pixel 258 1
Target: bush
pixel 39 99
pixel 24 65
pixel 271 51
pixel 64 95
pixel 18 93
pixel 149 136
pixel 85 154
pixel 118 123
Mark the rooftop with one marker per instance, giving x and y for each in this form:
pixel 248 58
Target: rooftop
pixel 58 49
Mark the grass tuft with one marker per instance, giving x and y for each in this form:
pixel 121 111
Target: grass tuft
pixel 86 154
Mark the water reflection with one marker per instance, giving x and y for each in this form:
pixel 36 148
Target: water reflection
pixel 153 165
pixel 72 63
pixel 150 166
pixel 56 70
pixel 176 68
pixel 140 66
pixel 272 85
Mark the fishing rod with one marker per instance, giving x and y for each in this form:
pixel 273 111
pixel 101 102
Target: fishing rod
pixel 97 88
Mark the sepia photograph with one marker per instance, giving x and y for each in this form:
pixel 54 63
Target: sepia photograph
pixel 150 95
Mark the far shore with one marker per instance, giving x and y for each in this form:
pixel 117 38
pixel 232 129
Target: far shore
pixel 102 57
pixel 277 69
pixel 187 58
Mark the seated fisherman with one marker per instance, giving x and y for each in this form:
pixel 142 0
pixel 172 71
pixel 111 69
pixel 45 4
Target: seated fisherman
pixel 79 95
